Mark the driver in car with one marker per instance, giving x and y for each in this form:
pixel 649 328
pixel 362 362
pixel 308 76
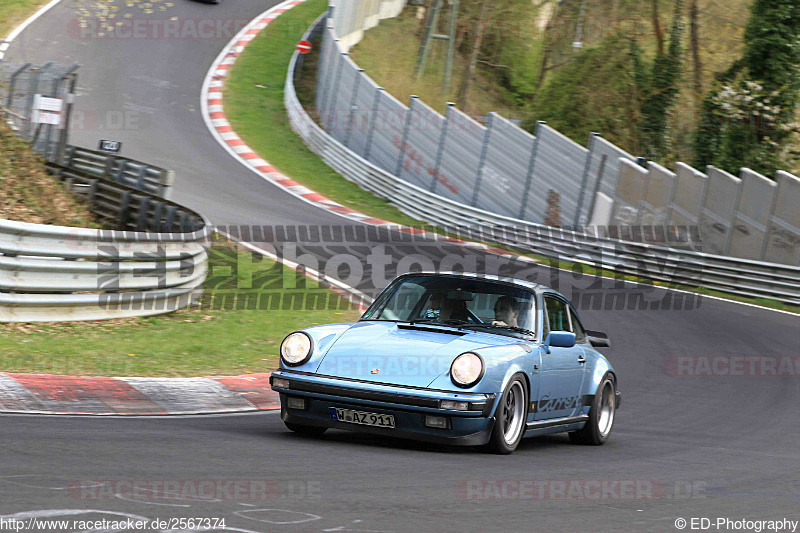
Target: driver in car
pixel 506 312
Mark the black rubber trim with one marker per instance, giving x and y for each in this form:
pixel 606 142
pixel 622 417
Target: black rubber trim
pixel 557 422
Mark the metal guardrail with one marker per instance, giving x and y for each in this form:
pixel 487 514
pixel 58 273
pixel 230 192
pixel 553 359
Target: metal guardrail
pixel 54 273
pixel 504 169
pixel 155 262
pixel 141 176
pixel 127 208
pixel 684 267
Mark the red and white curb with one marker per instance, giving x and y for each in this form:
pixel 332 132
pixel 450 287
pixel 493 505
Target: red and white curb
pixel 221 130
pixel 76 395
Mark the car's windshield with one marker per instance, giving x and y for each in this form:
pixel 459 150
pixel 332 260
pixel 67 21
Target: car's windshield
pixel 470 303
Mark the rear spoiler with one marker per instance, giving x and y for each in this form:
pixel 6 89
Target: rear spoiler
pixel 598 339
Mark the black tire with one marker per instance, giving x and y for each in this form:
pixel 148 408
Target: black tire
pixel 598 428
pixel 510 417
pixel 308 431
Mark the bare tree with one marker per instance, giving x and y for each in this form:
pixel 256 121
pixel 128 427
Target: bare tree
pixel 657 28
pixel 469 74
pixel 694 43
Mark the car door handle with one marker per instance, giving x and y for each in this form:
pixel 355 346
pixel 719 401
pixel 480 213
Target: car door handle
pixel 582 360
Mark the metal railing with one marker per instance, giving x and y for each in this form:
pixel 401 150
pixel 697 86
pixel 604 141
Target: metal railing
pixel 55 273
pixel 669 264
pixel 153 262
pixel 141 176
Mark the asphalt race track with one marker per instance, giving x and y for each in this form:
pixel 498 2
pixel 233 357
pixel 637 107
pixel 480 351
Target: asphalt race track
pixel 690 446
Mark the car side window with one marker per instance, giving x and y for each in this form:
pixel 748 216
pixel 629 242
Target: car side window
pixel 577 327
pixel 557 314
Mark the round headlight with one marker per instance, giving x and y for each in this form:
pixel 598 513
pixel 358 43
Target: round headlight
pixel 467 369
pixel 296 348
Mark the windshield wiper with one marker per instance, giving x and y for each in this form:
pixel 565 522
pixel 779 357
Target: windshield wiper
pixel 436 321
pixel 509 328
pixel 422 321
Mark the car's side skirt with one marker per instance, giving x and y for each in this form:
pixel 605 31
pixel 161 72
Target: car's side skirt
pixel 555 423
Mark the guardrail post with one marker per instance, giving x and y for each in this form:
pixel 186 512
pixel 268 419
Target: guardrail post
pixel 157 216
pixel 353 107
pixel 167 181
pixel 120 174
pixel 482 161
pixel 67 120
pixel 141 222
pixel 140 177
pixel 108 168
pixel 93 193
pixel 374 119
pixel 585 178
pixel 596 189
pixel 70 154
pixel 123 209
pixel 404 137
pixel 170 218
pixel 323 102
pixel 440 149
pixel 183 222
pixel 334 88
pixel 529 176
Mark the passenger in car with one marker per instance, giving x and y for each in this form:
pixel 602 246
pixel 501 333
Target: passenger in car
pixel 506 312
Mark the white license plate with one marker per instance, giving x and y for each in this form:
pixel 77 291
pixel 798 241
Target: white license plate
pixel 362 417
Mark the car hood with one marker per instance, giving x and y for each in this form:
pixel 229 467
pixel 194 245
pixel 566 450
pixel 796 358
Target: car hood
pixel 399 354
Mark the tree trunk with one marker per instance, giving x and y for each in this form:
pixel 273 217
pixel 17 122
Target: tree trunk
pixel 657 29
pixel 695 44
pixel 549 45
pixel 469 74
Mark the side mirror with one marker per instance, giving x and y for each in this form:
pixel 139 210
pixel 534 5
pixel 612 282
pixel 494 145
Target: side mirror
pixel 559 339
pixel 598 339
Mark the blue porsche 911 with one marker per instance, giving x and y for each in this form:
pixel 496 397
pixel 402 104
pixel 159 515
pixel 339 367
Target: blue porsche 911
pixel 456 359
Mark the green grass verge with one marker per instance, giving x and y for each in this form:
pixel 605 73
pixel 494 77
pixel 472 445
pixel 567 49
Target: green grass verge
pixel 214 338
pixel 254 106
pixel 14 12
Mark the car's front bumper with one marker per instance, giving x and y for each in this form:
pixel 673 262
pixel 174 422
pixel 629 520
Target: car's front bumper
pixel 409 406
